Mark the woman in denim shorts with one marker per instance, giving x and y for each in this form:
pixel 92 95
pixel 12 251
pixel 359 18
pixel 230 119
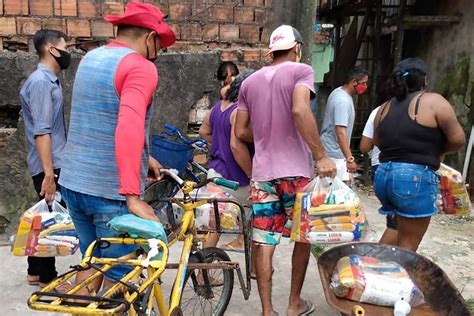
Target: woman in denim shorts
pixel 414 130
pixel 390 235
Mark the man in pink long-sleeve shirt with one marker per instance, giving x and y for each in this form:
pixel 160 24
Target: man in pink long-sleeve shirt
pixel 106 156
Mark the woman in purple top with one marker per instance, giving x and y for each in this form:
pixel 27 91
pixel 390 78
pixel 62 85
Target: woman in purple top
pixel 229 156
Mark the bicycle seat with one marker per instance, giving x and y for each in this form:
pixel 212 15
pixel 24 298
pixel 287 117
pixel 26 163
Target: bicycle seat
pixel 137 227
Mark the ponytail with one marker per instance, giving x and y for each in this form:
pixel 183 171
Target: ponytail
pixel 407 77
pixel 398 85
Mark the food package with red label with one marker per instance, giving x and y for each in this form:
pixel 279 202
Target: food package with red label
pixel 45 231
pixel 453 198
pixel 327 211
pixel 370 280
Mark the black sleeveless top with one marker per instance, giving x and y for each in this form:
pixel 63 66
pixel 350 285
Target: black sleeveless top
pixel 402 139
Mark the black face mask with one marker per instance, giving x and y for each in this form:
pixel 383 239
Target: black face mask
pixel 152 59
pixel 64 59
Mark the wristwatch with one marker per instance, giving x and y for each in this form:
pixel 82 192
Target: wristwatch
pixel 350 159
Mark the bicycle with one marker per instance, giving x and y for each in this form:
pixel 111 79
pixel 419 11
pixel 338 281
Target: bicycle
pixel 139 292
pixel 174 151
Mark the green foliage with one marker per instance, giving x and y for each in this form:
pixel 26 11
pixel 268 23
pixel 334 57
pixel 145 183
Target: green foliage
pixel 470 304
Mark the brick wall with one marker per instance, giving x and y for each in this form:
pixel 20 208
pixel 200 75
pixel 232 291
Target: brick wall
pixel 235 27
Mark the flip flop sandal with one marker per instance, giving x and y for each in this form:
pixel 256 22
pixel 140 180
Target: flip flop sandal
pixel 309 308
pixel 62 288
pixel 32 280
pixel 254 277
pixel 229 247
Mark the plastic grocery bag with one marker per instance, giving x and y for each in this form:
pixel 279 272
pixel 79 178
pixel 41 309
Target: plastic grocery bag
pixel 137 227
pixel 45 231
pixel 327 211
pixel 453 198
pixel 373 281
pixel 229 213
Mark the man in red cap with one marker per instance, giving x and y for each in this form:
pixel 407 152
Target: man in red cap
pixel 106 156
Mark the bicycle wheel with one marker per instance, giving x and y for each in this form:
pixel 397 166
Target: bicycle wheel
pixel 207 292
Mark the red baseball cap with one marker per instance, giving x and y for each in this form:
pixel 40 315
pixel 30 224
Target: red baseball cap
pixel 147 16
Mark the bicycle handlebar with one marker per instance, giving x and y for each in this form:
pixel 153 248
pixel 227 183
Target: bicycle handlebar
pixel 170 130
pixel 233 185
pixel 172 173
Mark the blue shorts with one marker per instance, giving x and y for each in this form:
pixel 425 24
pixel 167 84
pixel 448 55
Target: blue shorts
pixel 391 219
pixel 90 215
pixel 406 189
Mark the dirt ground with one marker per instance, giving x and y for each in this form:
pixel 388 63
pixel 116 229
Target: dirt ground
pixel 449 242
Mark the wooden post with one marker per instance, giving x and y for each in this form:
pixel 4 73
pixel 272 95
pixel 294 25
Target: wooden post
pixel 400 33
pixel 337 50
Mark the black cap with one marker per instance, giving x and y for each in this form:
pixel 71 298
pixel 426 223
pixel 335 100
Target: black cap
pixel 298 37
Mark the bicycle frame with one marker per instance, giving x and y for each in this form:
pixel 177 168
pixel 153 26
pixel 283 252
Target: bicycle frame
pixel 155 269
pixel 151 288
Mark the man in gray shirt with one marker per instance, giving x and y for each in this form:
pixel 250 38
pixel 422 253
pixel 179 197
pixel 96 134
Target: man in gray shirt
pixel 339 121
pixel 43 113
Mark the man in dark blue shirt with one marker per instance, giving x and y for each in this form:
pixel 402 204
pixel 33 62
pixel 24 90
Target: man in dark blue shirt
pixel 43 114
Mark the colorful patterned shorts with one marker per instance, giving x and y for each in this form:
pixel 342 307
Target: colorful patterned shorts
pixel 272 205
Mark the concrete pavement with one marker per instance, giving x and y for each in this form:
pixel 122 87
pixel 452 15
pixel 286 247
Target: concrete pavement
pixel 448 244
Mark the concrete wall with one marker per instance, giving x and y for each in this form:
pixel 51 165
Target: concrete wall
pixel 301 15
pixel 449 54
pixel 184 78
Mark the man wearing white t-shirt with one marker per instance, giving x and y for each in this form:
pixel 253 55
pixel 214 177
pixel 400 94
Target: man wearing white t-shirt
pixel 367 142
pixel 390 236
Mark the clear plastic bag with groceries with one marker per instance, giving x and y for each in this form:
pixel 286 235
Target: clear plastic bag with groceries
pixel 327 211
pixel 370 280
pixel 453 197
pixel 45 230
pixel 229 213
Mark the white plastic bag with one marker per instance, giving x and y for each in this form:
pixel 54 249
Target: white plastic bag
pixel 327 211
pixel 229 213
pixel 369 280
pixel 45 231
pixel 453 198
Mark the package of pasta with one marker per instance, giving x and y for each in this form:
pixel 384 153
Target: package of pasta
pixel 229 213
pixel 453 198
pixel 369 280
pixel 45 231
pixel 327 211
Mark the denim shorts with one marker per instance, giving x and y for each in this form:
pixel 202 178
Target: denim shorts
pixel 405 189
pixel 391 219
pixel 90 215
